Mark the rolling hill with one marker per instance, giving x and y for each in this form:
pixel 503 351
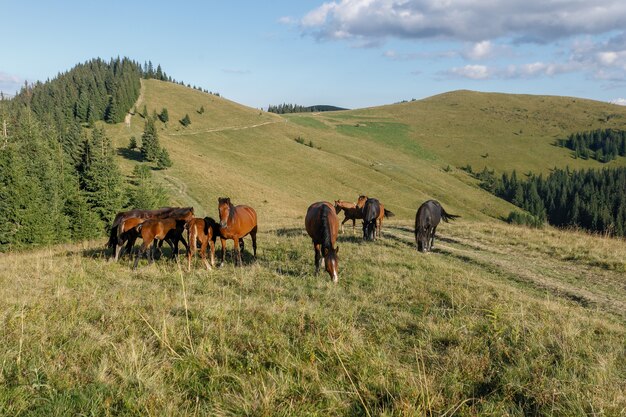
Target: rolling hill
pixel 498 320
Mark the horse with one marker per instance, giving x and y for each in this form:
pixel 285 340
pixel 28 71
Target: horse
pixel 206 231
pixel 350 210
pixel 235 223
pixel 383 213
pixel 427 219
pixel 322 224
pixel 371 212
pixel 120 233
pixel 152 230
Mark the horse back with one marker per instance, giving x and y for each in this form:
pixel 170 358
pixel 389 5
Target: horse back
pixel 313 221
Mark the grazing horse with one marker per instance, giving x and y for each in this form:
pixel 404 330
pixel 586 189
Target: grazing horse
pixel 427 218
pixel 371 212
pixel 121 233
pixel 383 213
pixel 321 224
pixel 206 231
pixel 350 210
pixel 152 230
pixel 235 223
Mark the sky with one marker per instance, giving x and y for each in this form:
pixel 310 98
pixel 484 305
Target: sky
pixel 348 53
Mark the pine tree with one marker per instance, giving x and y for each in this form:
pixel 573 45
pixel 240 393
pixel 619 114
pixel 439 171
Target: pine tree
pixel 146 194
pixel 185 121
pixel 163 160
pixel 132 144
pixel 150 141
pixel 164 115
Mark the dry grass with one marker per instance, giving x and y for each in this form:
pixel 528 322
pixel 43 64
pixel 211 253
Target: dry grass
pixel 401 334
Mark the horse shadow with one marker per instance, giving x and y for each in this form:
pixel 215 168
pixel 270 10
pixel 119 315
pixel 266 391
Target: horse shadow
pixel 289 231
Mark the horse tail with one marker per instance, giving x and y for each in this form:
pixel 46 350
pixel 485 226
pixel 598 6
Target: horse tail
pixel 447 216
pixel 112 237
pixel 138 228
pixel 326 240
pixel 192 233
pixel 389 213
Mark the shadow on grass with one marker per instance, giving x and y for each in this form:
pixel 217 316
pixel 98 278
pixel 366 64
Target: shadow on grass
pixel 130 154
pixel 290 231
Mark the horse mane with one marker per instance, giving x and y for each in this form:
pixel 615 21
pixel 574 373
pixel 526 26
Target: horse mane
pixel 326 240
pixel 231 210
pixel 210 223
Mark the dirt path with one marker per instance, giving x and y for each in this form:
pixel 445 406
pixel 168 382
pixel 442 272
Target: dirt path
pixel 221 129
pixel 589 286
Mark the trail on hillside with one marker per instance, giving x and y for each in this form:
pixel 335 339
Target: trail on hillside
pixel 589 286
pixel 222 129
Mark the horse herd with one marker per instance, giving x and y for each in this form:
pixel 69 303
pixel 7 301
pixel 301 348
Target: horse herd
pixel 235 222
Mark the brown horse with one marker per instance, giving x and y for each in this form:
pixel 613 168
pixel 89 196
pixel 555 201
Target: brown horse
pixel 120 233
pixel 350 210
pixel 383 213
pixel 152 230
pixel 206 231
pixel 235 223
pixel 322 224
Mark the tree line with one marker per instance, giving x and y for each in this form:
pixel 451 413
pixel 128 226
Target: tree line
pixel 593 200
pixel 59 181
pixel 601 145
pixel 296 108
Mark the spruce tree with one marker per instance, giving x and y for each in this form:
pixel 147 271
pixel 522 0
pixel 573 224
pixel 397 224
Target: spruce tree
pixel 150 141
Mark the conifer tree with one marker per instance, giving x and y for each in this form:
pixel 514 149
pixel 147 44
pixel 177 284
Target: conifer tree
pixel 150 141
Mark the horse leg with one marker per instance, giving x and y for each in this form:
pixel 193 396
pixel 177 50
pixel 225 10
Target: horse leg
pixel 242 244
pixel 253 236
pixel 212 249
pixel 203 253
pixel 432 238
pixel 345 219
pixel 318 257
pixel 238 260
pixel 191 249
pixel 353 225
pixel 140 253
pixel 223 241
pixel 380 227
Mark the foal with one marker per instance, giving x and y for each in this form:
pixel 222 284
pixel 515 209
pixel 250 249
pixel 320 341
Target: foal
pixel 206 231
pixel 350 210
pixel 153 230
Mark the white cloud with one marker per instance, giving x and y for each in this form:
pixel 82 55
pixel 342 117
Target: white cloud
pixel 619 101
pixel 480 50
pixel 287 20
pixel 464 20
pixel 473 72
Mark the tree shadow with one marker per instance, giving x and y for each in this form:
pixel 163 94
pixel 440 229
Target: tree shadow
pixel 130 154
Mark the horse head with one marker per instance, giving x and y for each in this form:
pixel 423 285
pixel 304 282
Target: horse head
pixel 331 262
pixel 224 208
pixel 337 206
pixel 361 201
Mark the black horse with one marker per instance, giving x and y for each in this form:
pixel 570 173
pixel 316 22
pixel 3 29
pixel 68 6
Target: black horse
pixel 426 221
pixel 371 213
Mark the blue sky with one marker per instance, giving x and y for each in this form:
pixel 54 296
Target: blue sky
pixel 350 53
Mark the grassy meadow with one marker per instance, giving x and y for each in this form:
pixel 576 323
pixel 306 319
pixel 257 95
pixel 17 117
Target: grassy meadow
pixel 470 329
pixel 498 320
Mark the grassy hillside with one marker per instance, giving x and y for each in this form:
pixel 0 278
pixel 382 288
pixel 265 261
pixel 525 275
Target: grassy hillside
pixel 498 320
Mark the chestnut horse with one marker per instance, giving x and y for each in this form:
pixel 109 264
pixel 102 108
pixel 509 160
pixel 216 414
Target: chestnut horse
pixel 206 231
pixel 120 233
pixel 322 224
pixel 383 213
pixel 350 210
pixel 426 220
pixel 152 230
pixel 235 223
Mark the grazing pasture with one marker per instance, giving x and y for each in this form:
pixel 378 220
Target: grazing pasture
pixel 497 320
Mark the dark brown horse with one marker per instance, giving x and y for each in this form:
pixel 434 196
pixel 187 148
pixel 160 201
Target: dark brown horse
pixel 427 218
pixel 235 223
pixel 322 224
pixel 381 215
pixel 206 232
pixel 120 233
pixel 153 230
pixel 350 210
